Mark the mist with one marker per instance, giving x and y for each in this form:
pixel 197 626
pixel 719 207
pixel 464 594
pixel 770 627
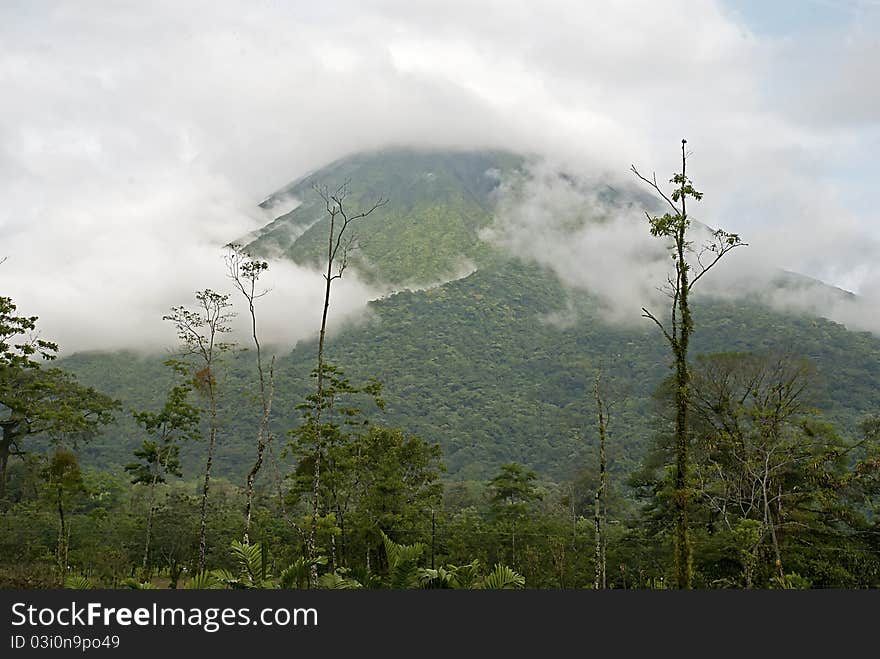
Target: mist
pixel 569 225
pixel 592 232
pixel 136 139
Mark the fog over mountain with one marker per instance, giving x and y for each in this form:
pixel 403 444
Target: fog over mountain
pixel 138 138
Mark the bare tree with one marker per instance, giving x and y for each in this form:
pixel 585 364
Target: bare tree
pixel 199 333
pixel 690 265
pixel 245 271
pixel 340 243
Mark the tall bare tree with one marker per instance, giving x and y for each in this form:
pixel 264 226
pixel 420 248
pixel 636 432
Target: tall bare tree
pixel 200 334
pixel 245 271
pixel 341 241
pixel 690 265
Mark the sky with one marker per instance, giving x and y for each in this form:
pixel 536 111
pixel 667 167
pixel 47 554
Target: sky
pixel 137 138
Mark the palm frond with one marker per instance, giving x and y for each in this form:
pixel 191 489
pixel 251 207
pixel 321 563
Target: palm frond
pixel 338 580
pixel 77 582
pixel 503 578
pixel 403 569
pixel 203 581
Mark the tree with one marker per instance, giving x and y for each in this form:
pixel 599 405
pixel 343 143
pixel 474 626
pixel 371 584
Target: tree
pixel 766 467
pixel 19 342
pixel 673 227
pixel 175 538
pixel 511 492
pixel 748 408
pixel 38 401
pixel 245 271
pixel 781 499
pixel 176 421
pixel 396 486
pixel 64 478
pixel 199 333
pixel 340 242
pixel 328 436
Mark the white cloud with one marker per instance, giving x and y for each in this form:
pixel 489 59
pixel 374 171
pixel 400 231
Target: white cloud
pixel 136 138
pixel 592 241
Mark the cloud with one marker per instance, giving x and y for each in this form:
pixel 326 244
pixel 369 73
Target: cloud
pixel 137 138
pixel 592 235
pixel 592 232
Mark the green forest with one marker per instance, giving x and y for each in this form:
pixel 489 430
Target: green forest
pixel 459 435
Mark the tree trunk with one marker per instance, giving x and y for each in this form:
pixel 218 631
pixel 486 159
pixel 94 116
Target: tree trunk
pixel 768 520
pixel 249 491
pixel 10 429
pixel 62 533
pixel 311 545
pixel 674 226
pixel 263 436
pixel 203 522
pixel 342 544
pixel 513 545
pixel 150 514
pixel 4 463
pixel 683 557
pixel 597 581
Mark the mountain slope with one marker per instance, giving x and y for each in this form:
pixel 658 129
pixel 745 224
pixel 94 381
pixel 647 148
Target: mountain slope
pixel 495 366
pixel 479 366
pixel 439 203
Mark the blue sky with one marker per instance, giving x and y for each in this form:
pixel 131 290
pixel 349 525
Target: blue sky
pixel 798 17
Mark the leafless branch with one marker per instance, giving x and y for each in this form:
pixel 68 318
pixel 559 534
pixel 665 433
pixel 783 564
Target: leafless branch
pixel 648 314
pixel 653 183
pixel 724 242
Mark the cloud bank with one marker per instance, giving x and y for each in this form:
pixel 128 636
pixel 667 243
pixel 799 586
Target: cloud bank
pixel 138 138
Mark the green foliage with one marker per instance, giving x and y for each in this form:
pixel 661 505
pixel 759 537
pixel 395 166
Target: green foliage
pixel 19 343
pixel 503 578
pixel 296 575
pixel 403 569
pixel 338 580
pixel 396 486
pixel 252 563
pixel 792 581
pixel 177 421
pixel 48 403
pixel 134 584
pixel 205 580
pixel 77 582
pixel 512 490
pixel 199 331
pixel 63 471
pixel 464 577
pixel 770 478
